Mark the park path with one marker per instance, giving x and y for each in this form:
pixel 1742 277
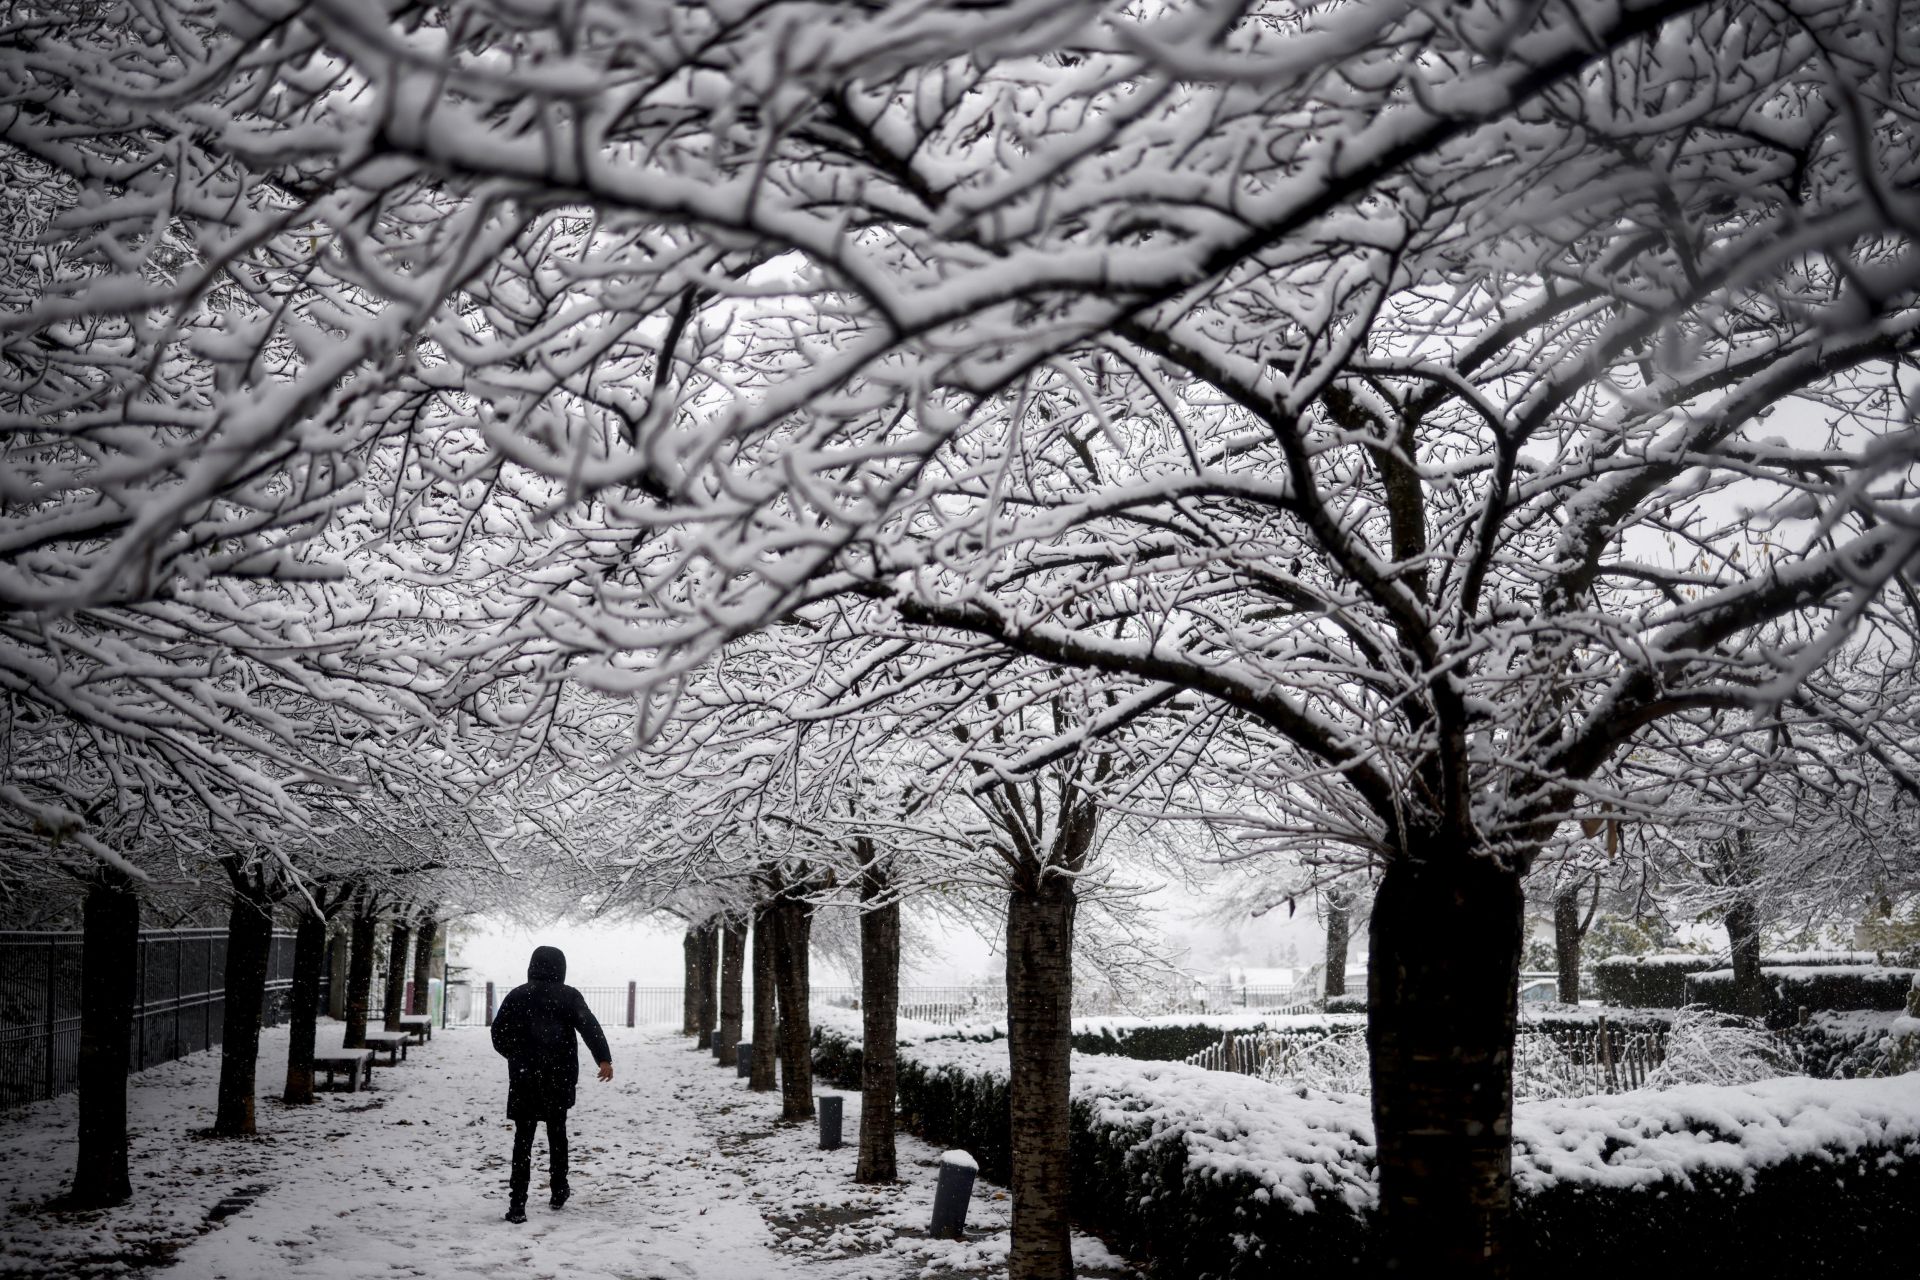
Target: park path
pixel 678 1171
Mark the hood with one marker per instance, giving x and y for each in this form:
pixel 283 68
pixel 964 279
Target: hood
pixel 549 964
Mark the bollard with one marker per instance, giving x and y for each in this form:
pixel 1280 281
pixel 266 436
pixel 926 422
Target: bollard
pixel 719 1048
pixel 744 1052
pixel 951 1193
pixel 831 1105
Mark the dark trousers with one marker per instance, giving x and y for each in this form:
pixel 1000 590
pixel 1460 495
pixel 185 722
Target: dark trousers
pixel 523 1155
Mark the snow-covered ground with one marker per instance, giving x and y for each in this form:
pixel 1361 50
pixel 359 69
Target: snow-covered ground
pixel 678 1171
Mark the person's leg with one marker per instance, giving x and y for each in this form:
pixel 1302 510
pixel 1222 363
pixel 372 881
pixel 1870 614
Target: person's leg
pixel 522 1159
pixel 557 1157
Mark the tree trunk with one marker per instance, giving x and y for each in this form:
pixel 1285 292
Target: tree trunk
pixel 109 962
pixel 1040 922
pixel 1738 870
pixel 765 1022
pixel 880 1030
pixel 733 964
pixel 1750 995
pixel 690 985
pixel 359 977
pixel 303 1006
pixel 793 938
pixel 1339 931
pixel 339 954
pixel 1443 995
pixel 396 974
pixel 709 970
pixel 423 940
pixel 1566 943
pixel 249 941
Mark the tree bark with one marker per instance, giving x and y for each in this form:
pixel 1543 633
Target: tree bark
pixel 793 938
pixel 360 975
pixel 397 941
pixel 1443 995
pixel 1750 995
pixel 249 942
pixel 765 1021
pixel 690 985
pixel 880 1029
pixel 709 970
pixel 1040 921
pixel 339 954
pixel 423 940
pixel 1566 943
pixel 109 962
pixel 1339 933
pixel 303 1006
pixel 733 964
pixel 1737 870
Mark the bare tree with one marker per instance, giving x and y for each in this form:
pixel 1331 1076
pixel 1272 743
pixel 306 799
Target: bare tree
pixel 1386 386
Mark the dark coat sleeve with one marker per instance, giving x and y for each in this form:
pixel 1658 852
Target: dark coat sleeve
pixel 509 1025
pixel 589 1029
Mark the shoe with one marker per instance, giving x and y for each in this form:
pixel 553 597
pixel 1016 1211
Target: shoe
pixel 559 1200
pixel 516 1213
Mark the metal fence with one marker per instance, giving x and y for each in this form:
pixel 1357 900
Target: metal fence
pixel 1559 1063
pixel 635 1005
pixel 179 1002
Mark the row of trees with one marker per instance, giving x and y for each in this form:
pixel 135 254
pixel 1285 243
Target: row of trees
pixel 352 911
pixel 805 453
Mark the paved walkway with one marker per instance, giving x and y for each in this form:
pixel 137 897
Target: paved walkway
pixel 678 1171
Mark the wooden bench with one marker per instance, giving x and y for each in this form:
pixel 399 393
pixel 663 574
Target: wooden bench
pixel 417 1024
pixel 358 1064
pixel 391 1043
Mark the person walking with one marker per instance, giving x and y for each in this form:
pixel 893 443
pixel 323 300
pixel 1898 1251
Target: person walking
pixel 534 1030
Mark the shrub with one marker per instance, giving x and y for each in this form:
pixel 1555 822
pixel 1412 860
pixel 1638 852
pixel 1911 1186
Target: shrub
pixel 1705 1047
pixel 1847 1044
pixel 1793 989
pixel 1206 1175
pixel 1178 1037
pixel 1648 982
pixel 1659 981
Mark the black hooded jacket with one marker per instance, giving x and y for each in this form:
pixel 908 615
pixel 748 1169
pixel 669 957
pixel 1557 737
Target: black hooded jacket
pixel 534 1029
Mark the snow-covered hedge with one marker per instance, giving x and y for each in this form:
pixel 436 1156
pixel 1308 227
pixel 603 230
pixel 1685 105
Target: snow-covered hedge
pixel 1208 1175
pixel 1844 1044
pixel 1179 1036
pixel 1659 981
pixel 1175 1037
pixel 1793 989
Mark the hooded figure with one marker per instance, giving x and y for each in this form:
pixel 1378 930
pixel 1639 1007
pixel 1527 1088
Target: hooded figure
pixel 534 1030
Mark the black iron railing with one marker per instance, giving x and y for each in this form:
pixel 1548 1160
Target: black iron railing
pixel 179 1003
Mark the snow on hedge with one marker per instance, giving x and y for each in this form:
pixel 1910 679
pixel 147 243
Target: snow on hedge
pixel 1652 1136
pixel 1710 960
pixel 1799 973
pixel 1302 1146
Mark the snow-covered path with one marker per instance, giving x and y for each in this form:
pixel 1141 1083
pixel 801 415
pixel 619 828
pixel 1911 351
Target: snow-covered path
pixel 678 1171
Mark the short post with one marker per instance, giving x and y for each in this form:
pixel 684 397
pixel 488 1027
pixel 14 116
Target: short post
pixel 743 1052
pixel 831 1105
pixel 633 1001
pixel 489 1004
pixel 951 1194
pixel 713 1042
